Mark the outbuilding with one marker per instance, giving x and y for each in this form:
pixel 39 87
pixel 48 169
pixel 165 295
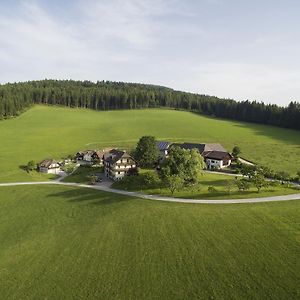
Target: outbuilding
pixel 49 166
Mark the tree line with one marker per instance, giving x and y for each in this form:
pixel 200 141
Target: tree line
pixel 107 95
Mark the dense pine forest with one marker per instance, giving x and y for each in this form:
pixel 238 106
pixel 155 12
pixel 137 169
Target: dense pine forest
pixel 106 95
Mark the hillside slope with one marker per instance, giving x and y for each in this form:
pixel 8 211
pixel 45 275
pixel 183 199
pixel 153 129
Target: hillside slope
pixel 44 131
pixel 109 95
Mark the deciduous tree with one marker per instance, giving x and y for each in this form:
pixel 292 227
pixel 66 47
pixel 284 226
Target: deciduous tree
pixel 187 164
pixel 259 181
pixel 31 165
pixel 236 152
pixel 146 152
pixel 174 182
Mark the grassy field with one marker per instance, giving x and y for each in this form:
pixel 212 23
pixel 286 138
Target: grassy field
pixel 200 191
pixel 69 243
pixel 43 132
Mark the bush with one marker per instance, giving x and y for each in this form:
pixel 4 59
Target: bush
pixel 273 183
pixel 31 165
pixel 242 184
pixel 297 178
pixel 69 168
pixel 211 189
pixel 282 176
pixel 248 170
pixel 133 172
pixel 195 188
pixel 150 179
pixel 92 179
pixel 236 151
pixel 129 182
pixel 267 172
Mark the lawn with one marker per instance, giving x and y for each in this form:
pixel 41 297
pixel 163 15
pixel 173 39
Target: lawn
pixel 69 243
pixel 43 132
pixel 200 191
pixel 82 173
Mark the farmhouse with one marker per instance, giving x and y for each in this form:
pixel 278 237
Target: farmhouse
pixel 89 157
pixel 215 156
pixel 49 166
pixel 217 159
pixel 118 164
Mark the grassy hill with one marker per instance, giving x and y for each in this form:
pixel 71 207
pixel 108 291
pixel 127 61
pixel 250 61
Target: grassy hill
pixel 70 243
pixel 66 243
pixel 43 132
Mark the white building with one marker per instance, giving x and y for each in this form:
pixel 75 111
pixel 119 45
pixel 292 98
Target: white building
pixel 215 155
pixel 49 166
pixel 217 159
pixel 90 157
pixel 119 164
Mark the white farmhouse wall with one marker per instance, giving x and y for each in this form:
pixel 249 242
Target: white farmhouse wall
pixel 213 163
pixel 43 170
pixel 54 171
pixel 87 157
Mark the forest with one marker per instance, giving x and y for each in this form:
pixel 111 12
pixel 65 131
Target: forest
pixel 108 95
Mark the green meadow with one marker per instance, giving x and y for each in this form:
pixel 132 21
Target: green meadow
pixel 200 191
pixel 70 243
pixel 45 132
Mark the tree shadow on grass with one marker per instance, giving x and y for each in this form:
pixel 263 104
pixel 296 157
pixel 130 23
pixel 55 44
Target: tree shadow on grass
pixel 275 132
pixel 285 135
pixel 23 168
pixel 216 183
pixel 223 195
pixel 90 197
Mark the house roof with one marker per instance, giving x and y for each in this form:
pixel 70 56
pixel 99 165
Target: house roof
pixel 46 163
pixel 89 152
pixel 115 155
pixel 218 155
pixel 201 147
pixel 214 147
pixel 162 145
pixel 99 153
pixel 190 146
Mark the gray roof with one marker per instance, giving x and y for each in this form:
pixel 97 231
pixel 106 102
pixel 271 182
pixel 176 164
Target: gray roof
pixel 162 145
pixel 46 163
pixel 201 147
pixel 115 155
pixel 214 147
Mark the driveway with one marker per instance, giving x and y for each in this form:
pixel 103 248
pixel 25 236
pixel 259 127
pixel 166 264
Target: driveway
pixel 106 187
